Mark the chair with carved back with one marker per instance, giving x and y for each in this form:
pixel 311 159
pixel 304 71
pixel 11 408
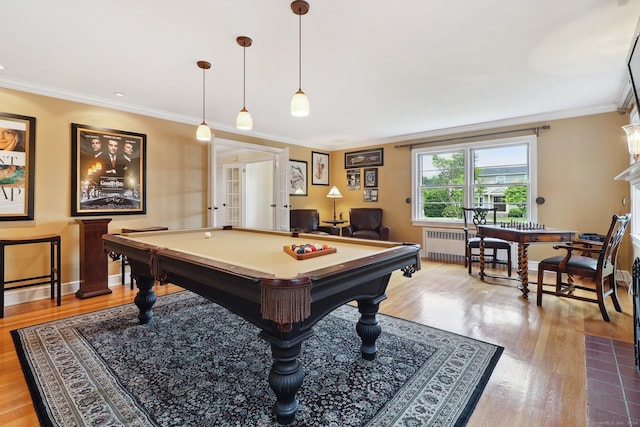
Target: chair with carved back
pixel 597 274
pixel 479 216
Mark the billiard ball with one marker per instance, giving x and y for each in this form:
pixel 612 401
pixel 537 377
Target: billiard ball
pixel 207 235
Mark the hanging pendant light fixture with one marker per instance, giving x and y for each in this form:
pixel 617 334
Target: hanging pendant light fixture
pixel 204 132
pixel 244 120
pixel 300 103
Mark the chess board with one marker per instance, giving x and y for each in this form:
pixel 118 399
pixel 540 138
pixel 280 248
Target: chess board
pixel 514 225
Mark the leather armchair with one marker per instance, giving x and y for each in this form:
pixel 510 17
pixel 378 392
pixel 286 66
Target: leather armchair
pixel 366 223
pixel 306 221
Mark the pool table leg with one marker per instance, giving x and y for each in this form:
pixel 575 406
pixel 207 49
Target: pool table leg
pixel 367 327
pixel 145 298
pixel 286 375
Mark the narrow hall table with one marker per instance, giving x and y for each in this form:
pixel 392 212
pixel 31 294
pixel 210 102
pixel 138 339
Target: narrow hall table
pixel 523 237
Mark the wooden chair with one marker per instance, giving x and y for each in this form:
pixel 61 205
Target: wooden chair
pixel 477 216
pixel 601 269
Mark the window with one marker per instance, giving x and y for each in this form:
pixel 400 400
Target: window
pixel 499 173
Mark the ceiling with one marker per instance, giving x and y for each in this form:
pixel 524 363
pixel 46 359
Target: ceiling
pixel 375 71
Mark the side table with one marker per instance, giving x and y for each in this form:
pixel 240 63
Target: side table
pixel 53 277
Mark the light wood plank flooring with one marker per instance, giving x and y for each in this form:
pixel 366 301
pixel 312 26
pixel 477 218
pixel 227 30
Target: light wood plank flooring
pixel 539 380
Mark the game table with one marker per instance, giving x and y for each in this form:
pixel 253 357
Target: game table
pixel 522 234
pixel 248 272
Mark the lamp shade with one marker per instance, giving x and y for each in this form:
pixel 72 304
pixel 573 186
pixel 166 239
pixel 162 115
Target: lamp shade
pixel 633 139
pixel 334 193
pixel 244 120
pixel 203 133
pixel 300 104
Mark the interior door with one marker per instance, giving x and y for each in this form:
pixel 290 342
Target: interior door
pixel 281 191
pixel 212 208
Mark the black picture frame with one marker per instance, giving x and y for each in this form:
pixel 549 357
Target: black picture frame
pixel 319 168
pixel 356 159
pixel 371 177
pixel 298 184
pixel 100 186
pixel 17 167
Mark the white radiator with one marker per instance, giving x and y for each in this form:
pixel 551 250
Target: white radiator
pixel 444 245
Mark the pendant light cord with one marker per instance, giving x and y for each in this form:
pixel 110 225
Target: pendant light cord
pixel 203 91
pixel 299 52
pixel 244 75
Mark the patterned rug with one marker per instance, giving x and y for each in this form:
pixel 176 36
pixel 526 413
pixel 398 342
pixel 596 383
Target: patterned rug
pixel 197 364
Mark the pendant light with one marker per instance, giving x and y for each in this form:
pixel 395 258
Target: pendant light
pixel 300 102
pixel 244 120
pixel 204 132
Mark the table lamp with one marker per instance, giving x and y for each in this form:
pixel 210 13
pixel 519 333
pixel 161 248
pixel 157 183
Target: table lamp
pixel 334 194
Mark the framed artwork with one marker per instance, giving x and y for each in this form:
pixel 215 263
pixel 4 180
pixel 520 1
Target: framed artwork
pixel 108 171
pixel 371 195
pixel 371 177
pixel 297 178
pixel 353 179
pixel 319 168
pixel 364 158
pixel 17 166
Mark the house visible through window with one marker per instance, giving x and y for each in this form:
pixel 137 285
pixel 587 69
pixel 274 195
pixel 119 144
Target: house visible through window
pixel 498 173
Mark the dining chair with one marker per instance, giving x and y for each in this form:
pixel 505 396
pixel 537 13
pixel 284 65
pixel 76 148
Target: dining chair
pixel 597 273
pixel 479 216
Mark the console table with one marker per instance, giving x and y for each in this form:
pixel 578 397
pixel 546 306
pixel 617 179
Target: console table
pixel 53 278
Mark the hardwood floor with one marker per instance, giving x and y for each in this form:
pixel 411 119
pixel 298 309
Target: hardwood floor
pixel 539 380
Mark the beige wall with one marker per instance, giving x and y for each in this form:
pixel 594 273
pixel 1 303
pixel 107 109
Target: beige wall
pixel 577 160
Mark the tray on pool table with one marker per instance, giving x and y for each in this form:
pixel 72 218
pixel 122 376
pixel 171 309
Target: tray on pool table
pixel 307 255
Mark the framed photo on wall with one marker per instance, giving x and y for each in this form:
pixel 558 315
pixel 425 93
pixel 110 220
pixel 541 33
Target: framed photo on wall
pixel 297 178
pixel 371 195
pixel 353 179
pixel 319 168
pixel 108 171
pixel 17 166
pixel 364 158
pixel 371 177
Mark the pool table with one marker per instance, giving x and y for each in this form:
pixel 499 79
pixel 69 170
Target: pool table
pixel 248 272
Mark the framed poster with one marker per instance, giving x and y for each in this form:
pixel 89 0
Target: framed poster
pixel 297 178
pixel 353 179
pixel 371 177
pixel 320 168
pixel 364 158
pixel 108 171
pixel 17 166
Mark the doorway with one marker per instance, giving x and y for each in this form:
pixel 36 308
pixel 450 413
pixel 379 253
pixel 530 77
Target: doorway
pixel 253 198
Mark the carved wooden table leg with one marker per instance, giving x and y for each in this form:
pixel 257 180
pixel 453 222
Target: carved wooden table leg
pixel 286 374
pixel 523 266
pixel 145 298
pixel 481 258
pixel 368 328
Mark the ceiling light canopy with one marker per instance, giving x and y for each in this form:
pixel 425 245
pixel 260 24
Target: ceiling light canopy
pixel 300 102
pixel 244 120
pixel 203 133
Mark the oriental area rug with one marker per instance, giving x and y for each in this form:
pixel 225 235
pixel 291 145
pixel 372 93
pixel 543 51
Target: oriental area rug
pixel 198 364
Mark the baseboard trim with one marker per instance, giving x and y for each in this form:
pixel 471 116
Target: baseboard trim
pixel 36 293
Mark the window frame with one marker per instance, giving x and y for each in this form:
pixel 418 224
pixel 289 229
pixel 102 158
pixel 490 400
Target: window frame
pixel 531 141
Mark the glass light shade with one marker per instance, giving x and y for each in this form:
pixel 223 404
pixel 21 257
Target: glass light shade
pixel 334 193
pixel 633 139
pixel 203 133
pixel 244 120
pixel 300 104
